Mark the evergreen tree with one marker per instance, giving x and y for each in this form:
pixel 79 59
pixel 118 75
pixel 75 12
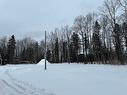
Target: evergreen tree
pixel 74 47
pixel 11 49
pixel 65 54
pixel 56 51
pixel 96 42
pixel 118 42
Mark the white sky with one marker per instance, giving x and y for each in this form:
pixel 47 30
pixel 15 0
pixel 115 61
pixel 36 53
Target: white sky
pixel 31 17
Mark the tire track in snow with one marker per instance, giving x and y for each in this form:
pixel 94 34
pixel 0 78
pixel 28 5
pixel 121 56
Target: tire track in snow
pixel 28 88
pixel 12 86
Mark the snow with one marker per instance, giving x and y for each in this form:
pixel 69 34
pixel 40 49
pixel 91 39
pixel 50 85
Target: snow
pixel 42 62
pixel 63 79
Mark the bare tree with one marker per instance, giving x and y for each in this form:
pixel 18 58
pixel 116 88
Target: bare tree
pixel 109 10
pixel 68 32
pixel 80 27
pixel 123 4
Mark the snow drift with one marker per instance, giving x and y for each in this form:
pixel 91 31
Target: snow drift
pixel 42 62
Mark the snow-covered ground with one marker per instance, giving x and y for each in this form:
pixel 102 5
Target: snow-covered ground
pixel 63 79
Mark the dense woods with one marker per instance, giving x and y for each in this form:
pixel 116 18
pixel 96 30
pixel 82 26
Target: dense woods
pixel 93 38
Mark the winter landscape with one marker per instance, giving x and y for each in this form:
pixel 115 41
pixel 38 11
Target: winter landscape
pixel 63 47
pixel 63 79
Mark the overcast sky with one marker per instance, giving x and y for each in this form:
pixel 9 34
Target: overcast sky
pixel 29 18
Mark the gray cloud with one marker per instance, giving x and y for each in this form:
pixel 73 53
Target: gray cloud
pixel 30 17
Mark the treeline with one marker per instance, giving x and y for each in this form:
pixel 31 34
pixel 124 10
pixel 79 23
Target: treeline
pixel 94 38
pixel 24 51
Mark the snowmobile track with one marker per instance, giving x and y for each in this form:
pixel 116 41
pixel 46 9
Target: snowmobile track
pixel 12 86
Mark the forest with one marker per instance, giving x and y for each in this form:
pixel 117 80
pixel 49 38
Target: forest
pixel 95 38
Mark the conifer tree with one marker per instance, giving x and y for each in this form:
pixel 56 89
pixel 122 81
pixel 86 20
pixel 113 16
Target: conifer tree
pixel 11 49
pixel 117 33
pixel 56 51
pixel 75 46
pixel 96 42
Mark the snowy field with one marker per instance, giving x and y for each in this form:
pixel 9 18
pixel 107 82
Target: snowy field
pixel 63 79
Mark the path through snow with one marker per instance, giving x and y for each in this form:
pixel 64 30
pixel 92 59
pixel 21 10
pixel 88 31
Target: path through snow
pixel 12 86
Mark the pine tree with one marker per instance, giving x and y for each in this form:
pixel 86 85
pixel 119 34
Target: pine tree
pixel 118 42
pixel 96 42
pixel 11 49
pixel 56 51
pixel 74 47
pixel 65 53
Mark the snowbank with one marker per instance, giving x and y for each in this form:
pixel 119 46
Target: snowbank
pixel 42 62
